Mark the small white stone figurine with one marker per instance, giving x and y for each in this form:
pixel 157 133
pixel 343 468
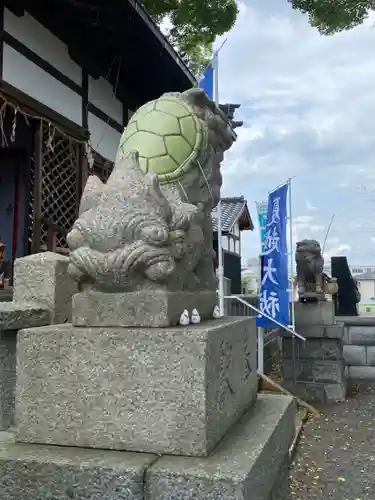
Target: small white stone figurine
pixel 216 312
pixel 184 318
pixel 195 317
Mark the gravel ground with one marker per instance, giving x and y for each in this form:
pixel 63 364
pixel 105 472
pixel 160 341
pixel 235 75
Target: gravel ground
pixel 335 458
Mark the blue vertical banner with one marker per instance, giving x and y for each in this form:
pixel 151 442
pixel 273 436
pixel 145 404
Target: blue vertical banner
pixel 274 288
pixel 206 81
pixel 262 209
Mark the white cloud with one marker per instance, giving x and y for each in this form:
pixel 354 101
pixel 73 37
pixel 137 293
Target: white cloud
pixel 310 207
pixel 316 228
pixel 307 103
pixel 342 249
pixel 303 220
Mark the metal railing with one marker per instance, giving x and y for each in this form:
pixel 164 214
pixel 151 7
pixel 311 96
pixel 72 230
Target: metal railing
pixel 261 332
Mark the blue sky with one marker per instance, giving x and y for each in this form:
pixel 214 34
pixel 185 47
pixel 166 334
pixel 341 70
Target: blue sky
pixel 308 106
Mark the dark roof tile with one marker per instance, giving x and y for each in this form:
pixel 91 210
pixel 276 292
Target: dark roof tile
pixel 231 210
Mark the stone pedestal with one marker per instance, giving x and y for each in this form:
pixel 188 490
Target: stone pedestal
pixel 13 317
pixel 316 372
pixel 148 308
pixel 42 294
pixel 154 390
pixel 250 463
pixel 100 411
pixel 43 279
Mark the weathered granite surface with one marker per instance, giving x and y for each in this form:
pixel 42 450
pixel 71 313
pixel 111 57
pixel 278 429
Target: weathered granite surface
pixel 42 279
pixel 8 342
pixel 144 308
pixel 17 315
pixel 249 464
pixel 14 316
pixel 34 472
pixel 314 314
pixel 173 390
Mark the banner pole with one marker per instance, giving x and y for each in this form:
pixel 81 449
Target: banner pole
pixel 218 210
pixel 260 330
pixel 261 349
pixel 291 255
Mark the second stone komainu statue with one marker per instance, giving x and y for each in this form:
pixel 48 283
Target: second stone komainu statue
pixel 147 232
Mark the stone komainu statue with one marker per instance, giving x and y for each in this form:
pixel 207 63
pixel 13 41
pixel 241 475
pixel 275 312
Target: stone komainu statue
pixel 310 265
pixel 149 226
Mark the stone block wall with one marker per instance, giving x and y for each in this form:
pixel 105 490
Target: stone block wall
pixel 314 370
pixel 359 348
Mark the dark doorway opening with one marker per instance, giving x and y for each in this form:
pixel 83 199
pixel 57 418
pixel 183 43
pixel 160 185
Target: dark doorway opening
pixel 14 203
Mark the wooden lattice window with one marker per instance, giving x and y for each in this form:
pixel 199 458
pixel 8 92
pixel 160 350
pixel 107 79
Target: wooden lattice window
pixel 60 185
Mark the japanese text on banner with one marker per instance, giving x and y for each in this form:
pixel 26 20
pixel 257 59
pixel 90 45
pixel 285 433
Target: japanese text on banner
pixel 274 293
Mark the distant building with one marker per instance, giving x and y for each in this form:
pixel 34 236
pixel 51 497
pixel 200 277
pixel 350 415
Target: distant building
pixel 251 274
pixel 366 285
pixel 235 218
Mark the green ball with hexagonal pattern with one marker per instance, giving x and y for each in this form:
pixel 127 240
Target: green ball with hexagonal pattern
pixel 168 135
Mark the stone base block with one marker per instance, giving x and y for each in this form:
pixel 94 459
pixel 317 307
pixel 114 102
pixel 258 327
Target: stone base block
pixel 8 343
pixel 12 317
pixel 251 463
pixel 306 370
pixel 314 392
pixel 173 390
pixel 361 335
pixel 314 349
pixel 17 315
pixel 359 373
pixel 355 355
pixel 43 279
pixel 314 313
pixel 317 370
pixel 148 308
pixel 318 331
pixel 33 472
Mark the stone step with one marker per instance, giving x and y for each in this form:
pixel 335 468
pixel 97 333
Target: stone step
pixel 250 463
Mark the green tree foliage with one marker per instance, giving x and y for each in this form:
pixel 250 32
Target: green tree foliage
pixel 196 24
pixel 333 16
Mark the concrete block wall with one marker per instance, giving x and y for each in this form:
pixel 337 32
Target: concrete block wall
pixel 359 348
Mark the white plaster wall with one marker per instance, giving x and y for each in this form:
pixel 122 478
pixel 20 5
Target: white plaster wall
pixel 104 139
pixel 35 82
pixel 38 84
pixel 41 41
pixel 367 288
pixel 102 96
